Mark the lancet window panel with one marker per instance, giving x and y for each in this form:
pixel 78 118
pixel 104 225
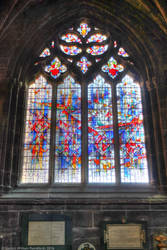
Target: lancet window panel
pixel 37 133
pixel 68 132
pixel 100 132
pixel 133 160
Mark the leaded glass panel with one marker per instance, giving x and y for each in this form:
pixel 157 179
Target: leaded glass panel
pixel 96 50
pixel 84 64
pixel 45 52
pixel 99 38
pixel 68 132
pixel 122 52
pixel 100 132
pixel 71 38
pixel 84 29
pixel 37 133
pixel 133 161
pixel 112 68
pixel 70 50
pixel 55 68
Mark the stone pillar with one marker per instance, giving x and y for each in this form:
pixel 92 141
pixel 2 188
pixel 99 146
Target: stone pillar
pixel 2 149
pixel 157 132
pixel 148 132
pixel 4 135
pixel 11 127
pixel 161 90
pixel 19 134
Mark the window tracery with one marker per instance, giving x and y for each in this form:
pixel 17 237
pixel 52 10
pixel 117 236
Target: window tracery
pixel 114 114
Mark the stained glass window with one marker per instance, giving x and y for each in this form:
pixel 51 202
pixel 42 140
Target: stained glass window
pixel 37 133
pixel 68 132
pixel 69 38
pixel 84 64
pixel 122 52
pixel 70 50
pixel 81 36
pixel 84 29
pixel 52 44
pixel 96 38
pixel 115 44
pixel 113 148
pixel 55 68
pixel 97 50
pixel 112 67
pixel 133 158
pixel 45 52
pixel 100 132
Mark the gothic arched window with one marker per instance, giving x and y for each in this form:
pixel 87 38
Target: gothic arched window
pixel 84 116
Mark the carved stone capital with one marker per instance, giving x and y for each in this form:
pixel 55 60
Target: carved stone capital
pixel 149 85
pixel 154 82
pixel 20 84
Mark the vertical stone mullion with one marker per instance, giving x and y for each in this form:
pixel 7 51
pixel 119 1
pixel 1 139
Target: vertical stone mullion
pixel 53 135
pixel 84 131
pixel 116 135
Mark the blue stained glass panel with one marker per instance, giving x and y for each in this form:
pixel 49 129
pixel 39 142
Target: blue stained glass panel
pixel 70 38
pixel 133 158
pixel 70 50
pixel 96 38
pixel 97 50
pixel 37 133
pixel 100 133
pixel 68 132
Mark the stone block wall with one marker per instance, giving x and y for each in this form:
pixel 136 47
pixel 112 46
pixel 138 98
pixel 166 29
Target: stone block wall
pixel 87 220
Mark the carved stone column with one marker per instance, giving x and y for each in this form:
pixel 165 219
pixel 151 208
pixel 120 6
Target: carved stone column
pixel 11 134
pixel 156 134
pixel 19 128
pixel 161 91
pixel 4 137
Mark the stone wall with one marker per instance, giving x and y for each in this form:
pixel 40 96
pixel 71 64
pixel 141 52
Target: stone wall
pixel 87 218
